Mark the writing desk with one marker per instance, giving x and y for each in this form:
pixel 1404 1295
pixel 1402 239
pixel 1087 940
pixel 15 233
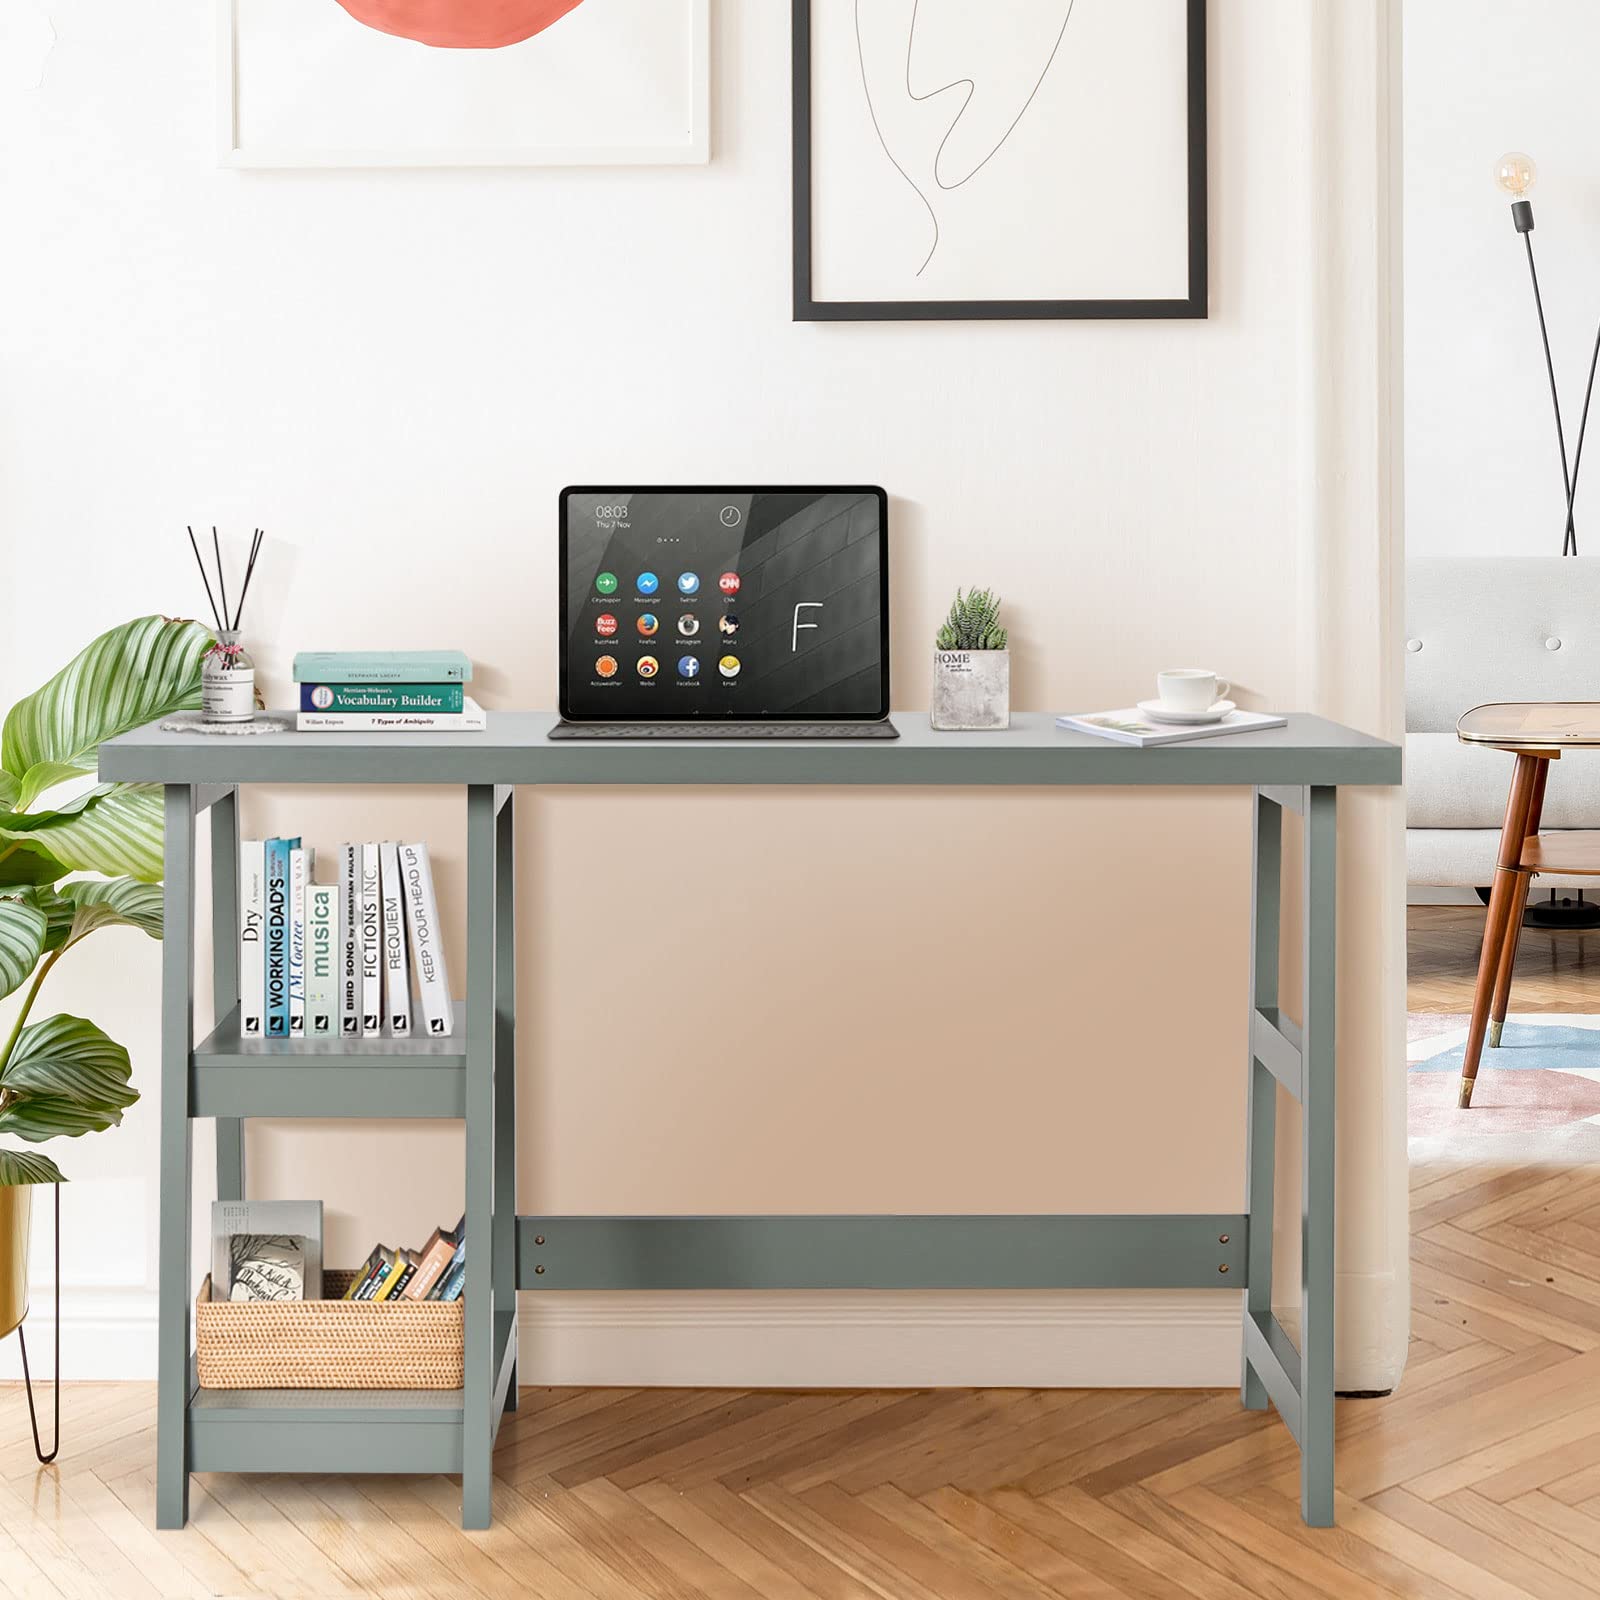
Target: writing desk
pixel 471 1075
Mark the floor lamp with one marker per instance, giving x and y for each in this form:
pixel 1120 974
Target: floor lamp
pixel 1516 174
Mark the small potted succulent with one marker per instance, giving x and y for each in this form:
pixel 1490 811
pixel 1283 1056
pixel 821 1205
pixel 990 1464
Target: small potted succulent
pixel 972 666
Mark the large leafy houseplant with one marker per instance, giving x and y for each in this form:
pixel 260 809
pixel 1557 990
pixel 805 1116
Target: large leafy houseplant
pixel 61 1076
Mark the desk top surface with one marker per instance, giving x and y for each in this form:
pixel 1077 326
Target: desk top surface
pixel 1532 725
pixel 514 749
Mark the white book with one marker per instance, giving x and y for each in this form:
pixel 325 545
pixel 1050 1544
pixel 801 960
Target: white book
pixel 349 940
pixel 427 948
pixel 322 960
pixel 470 719
pixel 1133 727
pixel 299 871
pixel 264 1220
pixel 396 974
pixel 371 942
pixel 252 938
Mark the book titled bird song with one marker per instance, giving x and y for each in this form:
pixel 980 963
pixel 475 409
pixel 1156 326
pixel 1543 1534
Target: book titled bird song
pixel 349 940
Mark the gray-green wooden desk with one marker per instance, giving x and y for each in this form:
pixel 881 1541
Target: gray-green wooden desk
pixel 471 1076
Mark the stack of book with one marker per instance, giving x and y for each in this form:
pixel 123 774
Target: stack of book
pixel 325 960
pixel 385 691
pixel 438 1271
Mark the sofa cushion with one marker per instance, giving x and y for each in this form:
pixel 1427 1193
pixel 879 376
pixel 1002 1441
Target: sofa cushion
pixel 1480 629
pixel 1455 785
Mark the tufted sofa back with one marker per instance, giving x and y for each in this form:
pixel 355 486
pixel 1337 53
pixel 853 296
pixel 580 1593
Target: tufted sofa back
pixel 1482 628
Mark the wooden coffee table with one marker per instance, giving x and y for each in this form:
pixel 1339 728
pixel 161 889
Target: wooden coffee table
pixel 1535 733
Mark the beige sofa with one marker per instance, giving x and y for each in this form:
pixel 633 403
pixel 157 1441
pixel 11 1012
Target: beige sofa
pixel 1480 629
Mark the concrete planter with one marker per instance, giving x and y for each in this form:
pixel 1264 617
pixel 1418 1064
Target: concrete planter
pixel 971 690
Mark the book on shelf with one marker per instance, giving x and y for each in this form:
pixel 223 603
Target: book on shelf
pixel 276 947
pixel 422 917
pixel 396 972
pixel 1131 726
pixel 470 719
pixel 266 1250
pixel 340 958
pixel 349 941
pixel 343 699
pixel 297 943
pixel 382 666
pixel 401 1274
pixel 322 943
pixel 252 916
pixel 371 942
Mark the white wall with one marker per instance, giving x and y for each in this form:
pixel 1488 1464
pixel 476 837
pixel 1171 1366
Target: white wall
pixel 1483 472
pixel 395 373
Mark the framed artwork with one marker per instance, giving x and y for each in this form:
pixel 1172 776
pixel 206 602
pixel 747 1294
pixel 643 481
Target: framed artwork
pixel 1019 158
pixel 467 83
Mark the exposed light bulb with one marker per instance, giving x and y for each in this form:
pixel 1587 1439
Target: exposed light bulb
pixel 1516 174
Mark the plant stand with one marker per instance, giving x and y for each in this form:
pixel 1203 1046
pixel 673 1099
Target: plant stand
pixel 27 1374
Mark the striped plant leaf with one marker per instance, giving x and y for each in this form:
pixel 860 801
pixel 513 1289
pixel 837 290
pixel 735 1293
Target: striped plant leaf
pixel 131 675
pixel 58 913
pixel 44 775
pixel 24 861
pixel 28 1166
pixel 118 831
pixel 64 1078
pixel 112 902
pixel 22 935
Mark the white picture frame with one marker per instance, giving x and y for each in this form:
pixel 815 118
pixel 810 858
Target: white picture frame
pixel 680 147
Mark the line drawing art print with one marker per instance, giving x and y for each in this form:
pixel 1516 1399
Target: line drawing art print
pixel 1019 158
pixel 967 89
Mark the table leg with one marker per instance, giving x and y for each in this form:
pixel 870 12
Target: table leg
pixel 225 973
pixel 1508 881
pixel 477 1426
pixel 1318 1062
pixel 177 1167
pixel 505 1076
pixel 1519 901
pixel 1262 1088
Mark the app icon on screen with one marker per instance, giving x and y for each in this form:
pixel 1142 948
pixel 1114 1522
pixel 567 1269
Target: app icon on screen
pixel 605 582
pixel 688 666
pixel 688 624
pixel 728 666
pixel 648 666
pixel 728 583
pixel 606 667
pixel 647 583
pixel 688 582
pixel 647 623
pixel 605 624
pixel 728 625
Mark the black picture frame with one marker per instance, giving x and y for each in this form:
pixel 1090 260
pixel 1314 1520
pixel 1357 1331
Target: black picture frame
pixel 808 309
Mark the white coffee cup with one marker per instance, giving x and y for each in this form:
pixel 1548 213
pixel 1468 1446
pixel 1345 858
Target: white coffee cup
pixel 1190 689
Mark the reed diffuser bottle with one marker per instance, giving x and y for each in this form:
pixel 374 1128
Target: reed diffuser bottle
pixel 227 681
pixel 227 672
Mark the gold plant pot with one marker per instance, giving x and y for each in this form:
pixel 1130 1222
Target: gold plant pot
pixel 16 1213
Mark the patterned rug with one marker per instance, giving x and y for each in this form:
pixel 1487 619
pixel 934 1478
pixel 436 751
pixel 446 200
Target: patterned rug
pixel 1537 1100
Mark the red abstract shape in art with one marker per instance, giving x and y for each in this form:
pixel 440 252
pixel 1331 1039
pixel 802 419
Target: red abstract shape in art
pixel 460 24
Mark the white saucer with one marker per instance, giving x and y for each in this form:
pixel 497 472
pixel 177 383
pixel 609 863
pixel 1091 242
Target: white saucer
pixel 1158 712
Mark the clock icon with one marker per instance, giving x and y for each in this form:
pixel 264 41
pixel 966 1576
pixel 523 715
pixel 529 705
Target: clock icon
pixel 731 516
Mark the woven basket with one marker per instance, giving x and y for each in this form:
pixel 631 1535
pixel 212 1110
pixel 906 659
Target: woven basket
pixel 328 1344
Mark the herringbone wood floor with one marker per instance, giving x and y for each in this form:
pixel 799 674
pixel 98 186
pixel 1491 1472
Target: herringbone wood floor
pixel 1479 1478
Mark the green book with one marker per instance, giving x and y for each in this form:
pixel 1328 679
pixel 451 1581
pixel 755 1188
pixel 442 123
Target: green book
pixel 382 698
pixel 382 666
